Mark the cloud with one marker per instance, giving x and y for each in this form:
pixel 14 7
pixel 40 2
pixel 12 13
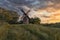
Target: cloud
pixel 52 6
pixel 37 4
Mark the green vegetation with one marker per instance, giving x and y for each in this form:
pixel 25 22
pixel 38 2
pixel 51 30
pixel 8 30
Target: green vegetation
pixel 35 20
pixel 52 25
pixel 8 16
pixel 28 32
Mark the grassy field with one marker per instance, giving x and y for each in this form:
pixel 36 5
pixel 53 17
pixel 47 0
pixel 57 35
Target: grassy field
pixel 28 32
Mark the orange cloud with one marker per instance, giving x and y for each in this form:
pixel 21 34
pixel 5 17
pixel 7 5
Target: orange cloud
pixel 53 18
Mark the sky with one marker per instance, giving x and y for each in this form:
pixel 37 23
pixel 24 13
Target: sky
pixel 47 10
pixel 37 3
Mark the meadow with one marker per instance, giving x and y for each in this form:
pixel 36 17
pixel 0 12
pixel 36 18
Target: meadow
pixel 28 32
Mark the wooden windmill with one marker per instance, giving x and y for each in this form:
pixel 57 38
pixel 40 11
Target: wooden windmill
pixel 25 16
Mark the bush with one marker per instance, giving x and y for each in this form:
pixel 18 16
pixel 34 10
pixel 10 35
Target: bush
pixel 35 20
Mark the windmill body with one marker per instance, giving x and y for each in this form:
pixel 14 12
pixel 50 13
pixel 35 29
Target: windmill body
pixel 25 17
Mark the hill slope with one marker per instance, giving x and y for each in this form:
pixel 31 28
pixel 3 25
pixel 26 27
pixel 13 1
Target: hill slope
pixel 7 15
pixel 28 32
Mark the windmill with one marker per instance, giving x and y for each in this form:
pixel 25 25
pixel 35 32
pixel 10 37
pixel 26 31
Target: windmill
pixel 25 16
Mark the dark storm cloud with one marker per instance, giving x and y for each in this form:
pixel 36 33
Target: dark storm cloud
pixel 32 3
pixel 36 3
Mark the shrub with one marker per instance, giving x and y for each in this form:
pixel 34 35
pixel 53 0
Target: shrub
pixel 35 20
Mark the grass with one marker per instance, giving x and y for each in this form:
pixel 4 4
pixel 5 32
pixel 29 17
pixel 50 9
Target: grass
pixel 28 32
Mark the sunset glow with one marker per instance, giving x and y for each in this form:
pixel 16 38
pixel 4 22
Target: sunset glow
pixel 54 15
pixel 47 10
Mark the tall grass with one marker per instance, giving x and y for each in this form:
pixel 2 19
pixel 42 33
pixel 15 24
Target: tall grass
pixel 28 32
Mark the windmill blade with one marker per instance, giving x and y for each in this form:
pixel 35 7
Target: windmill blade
pixel 23 11
pixel 28 12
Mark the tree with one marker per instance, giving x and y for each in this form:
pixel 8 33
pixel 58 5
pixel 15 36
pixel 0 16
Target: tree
pixel 35 20
pixel 8 16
